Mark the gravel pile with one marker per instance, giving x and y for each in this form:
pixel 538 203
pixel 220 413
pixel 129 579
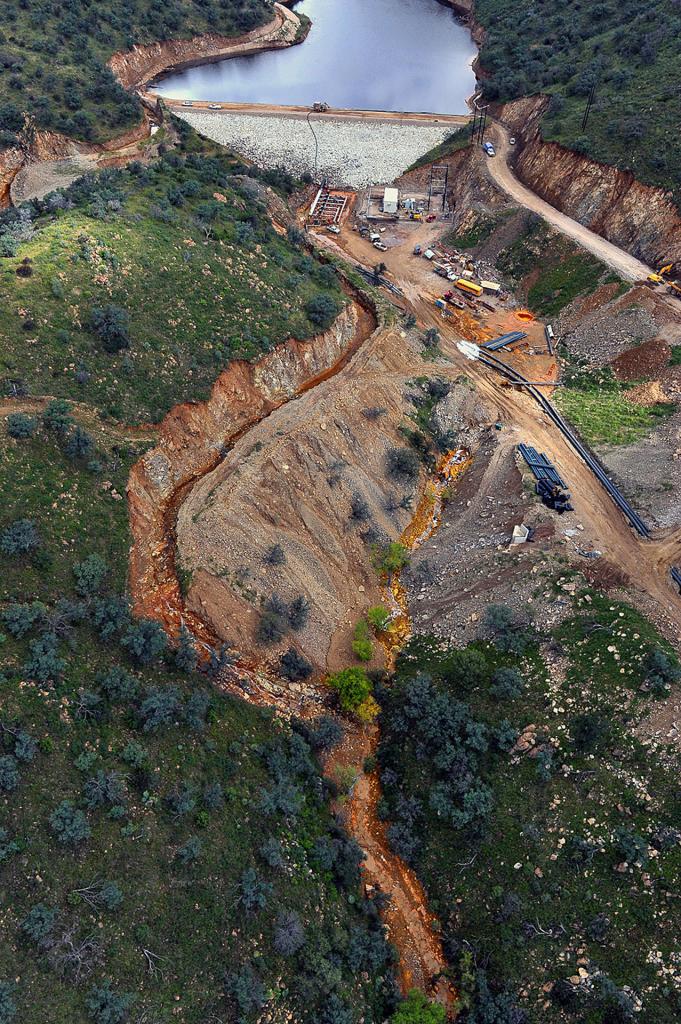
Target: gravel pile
pixel 604 334
pixel 353 153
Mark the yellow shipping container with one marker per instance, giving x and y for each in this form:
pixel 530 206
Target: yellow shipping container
pixel 468 286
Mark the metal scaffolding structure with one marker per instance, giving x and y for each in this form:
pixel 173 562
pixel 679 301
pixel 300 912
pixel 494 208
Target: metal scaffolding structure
pixel 327 208
pixel 437 187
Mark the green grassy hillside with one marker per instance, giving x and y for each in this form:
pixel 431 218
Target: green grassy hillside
pixel 555 870
pixel 627 49
pixel 53 57
pixel 135 288
pixel 164 849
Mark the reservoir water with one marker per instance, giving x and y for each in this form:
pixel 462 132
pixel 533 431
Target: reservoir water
pixel 410 55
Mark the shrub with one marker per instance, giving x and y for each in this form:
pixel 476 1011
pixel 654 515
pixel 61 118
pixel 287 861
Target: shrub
pixel 9 773
pixel 104 788
pixel 378 618
pixel 431 339
pixel 108 1007
pixel 57 416
pixel 39 923
pixel 661 671
pixel 273 624
pixel 416 1009
pixel 90 575
pixel 403 462
pixel 336 1011
pixel 79 444
pixel 8 1008
pixel 362 646
pixel 298 613
pixel 275 555
pixel 293 666
pixel 322 310
pixel 326 733
pixel 246 989
pixel 196 709
pixel 21 426
pixel 390 558
pixel 359 509
pixel 507 683
pixel 159 708
pixel 145 640
pixel 119 685
pixel 589 730
pixel 289 934
pixel 253 891
pixel 632 847
pixel 69 824
pixel 185 653
pixel 19 538
pixel 44 663
pixel 272 852
pixel 19 619
pixel 509 634
pixel 213 796
pixel 111 324
pixel 190 851
pixel 352 686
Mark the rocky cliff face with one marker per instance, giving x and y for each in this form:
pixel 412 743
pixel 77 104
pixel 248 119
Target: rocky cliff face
pixel 11 161
pixel 134 68
pixel 639 218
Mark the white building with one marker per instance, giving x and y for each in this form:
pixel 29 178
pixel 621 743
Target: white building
pixel 391 197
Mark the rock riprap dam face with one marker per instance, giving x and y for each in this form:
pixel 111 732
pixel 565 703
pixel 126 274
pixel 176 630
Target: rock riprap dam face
pixel 408 55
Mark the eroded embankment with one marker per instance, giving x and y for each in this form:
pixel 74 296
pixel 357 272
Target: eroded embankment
pixel 134 68
pixel 639 218
pixel 194 438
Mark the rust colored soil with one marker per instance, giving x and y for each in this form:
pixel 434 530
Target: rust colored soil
pixel 644 361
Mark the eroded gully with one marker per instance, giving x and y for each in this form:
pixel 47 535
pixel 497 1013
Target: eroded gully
pixel 157 592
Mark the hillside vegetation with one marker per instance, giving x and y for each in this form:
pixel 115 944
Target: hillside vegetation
pixel 545 828
pixel 53 57
pixel 627 49
pixel 164 849
pixel 134 288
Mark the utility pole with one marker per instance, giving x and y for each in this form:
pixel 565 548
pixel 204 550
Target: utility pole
pixel 589 102
pixel 479 123
pixel 316 142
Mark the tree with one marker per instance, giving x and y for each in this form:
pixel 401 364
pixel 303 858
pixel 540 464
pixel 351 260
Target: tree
pixel 352 686
pixel 9 773
pixel 111 324
pixel 431 339
pixel 8 1008
pixel 145 640
pixel 289 934
pixel 20 426
pixel 326 733
pixel 293 666
pixel 190 851
pixel 253 892
pixel 362 646
pixel 378 618
pixel 275 555
pixel 416 1009
pixel 507 683
pixel 39 923
pixel 19 538
pixel 79 444
pixel 390 558
pixel 69 824
pixel 186 657
pixel 298 613
pixel 509 634
pixel 57 416
pixel 322 310
pixel 90 575
pixel 108 1007
pixel 403 462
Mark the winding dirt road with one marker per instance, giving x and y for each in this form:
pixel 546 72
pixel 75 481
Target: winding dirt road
pixel 500 172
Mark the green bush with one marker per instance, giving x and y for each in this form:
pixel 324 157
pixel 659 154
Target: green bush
pixel 416 1009
pixel 20 425
pixel 111 324
pixel 352 686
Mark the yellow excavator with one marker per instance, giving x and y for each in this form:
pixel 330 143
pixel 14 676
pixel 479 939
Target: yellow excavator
pixel 673 287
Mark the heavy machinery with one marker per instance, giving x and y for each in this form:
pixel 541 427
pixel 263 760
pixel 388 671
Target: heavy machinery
pixel 319 107
pixel 468 286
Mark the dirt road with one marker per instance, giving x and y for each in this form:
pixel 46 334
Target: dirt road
pixel 498 169
pixel 332 114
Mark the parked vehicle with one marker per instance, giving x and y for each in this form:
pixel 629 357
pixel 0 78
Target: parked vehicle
pixel 468 286
pixel 187 103
pixel 381 246
pixel 512 141
pixel 489 148
pixel 417 250
pixel 333 228
pixel 214 106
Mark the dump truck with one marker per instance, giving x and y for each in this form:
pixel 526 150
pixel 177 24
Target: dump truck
pixel 469 287
pixel 319 107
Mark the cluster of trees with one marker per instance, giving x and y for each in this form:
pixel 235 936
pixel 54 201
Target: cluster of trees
pixel 569 49
pixel 53 57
